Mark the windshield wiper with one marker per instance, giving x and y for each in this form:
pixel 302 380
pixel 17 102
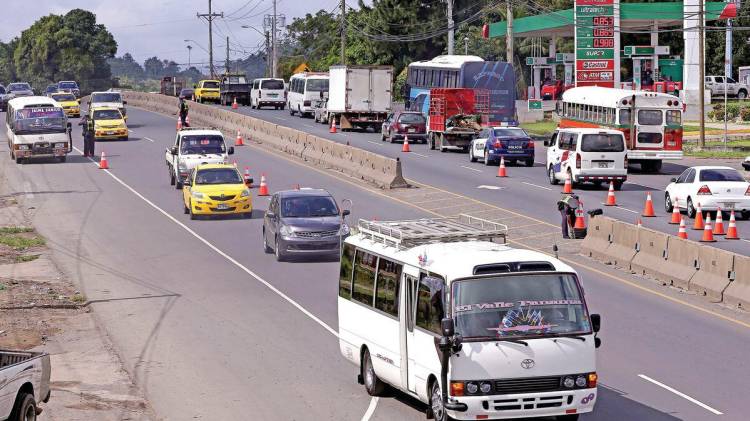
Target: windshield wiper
pixel 562 335
pixel 495 338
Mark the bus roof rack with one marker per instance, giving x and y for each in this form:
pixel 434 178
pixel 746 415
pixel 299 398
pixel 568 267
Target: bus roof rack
pixel 416 232
pixel 198 128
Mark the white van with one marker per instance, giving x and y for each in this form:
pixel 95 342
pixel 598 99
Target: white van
pixel 37 128
pixel 112 99
pixel 304 88
pixel 587 155
pixel 439 310
pixel 269 92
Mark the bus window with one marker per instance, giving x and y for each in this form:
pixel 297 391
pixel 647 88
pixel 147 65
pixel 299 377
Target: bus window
pixel 674 118
pixel 650 117
pixel 386 296
pixel 430 309
pixel 345 274
pixel 624 116
pixel 364 277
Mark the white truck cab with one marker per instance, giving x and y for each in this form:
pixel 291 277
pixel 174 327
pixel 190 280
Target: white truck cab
pixel 110 99
pixel 587 155
pixel 439 310
pixel 194 146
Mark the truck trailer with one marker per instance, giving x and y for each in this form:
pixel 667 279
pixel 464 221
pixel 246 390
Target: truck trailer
pixel 359 96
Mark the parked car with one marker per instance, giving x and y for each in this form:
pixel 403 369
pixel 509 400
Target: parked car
pixel 734 89
pixel 24 382
pixel 51 89
pixel 587 155
pixel 711 187
pixel 511 143
pixel 20 89
pixel 411 124
pixel 303 222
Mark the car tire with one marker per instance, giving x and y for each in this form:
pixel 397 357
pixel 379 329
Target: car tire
pixel 171 178
pixel 186 209
pixel 436 403
pixel 178 185
pixel 742 94
pixel 570 417
pixel 551 176
pixel 618 185
pixel 280 255
pixel 486 159
pixel 190 211
pixel 745 215
pixel 373 385
pixel 282 107
pixel 291 111
pixel 266 248
pixel 62 159
pixel 691 211
pixel 24 408
pixel 472 158
pixel 529 162
pixel 668 205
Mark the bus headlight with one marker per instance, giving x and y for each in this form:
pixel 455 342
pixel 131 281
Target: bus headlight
pixel 581 381
pixel 23 147
pixel 61 145
pixel 569 382
pixel 472 388
pixel 485 387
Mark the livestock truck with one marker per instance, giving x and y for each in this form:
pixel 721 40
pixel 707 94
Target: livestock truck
pixel 359 96
pixel 455 117
pixel 171 85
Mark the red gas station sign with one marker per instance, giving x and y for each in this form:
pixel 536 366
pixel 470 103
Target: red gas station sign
pixel 595 65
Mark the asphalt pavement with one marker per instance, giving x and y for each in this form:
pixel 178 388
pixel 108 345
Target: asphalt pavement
pixel 212 327
pixel 526 190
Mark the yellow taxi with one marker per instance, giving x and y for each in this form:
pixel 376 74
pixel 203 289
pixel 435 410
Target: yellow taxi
pixel 70 104
pixel 214 189
pixel 207 90
pixel 108 123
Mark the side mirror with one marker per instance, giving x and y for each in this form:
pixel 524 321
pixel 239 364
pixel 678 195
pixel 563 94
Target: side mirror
pixel 69 126
pixel 270 214
pixel 230 151
pixel 596 322
pixel 249 182
pixel 447 327
pixel 673 180
pixel 124 102
pixel 548 143
pixel 173 150
pixel 346 212
pixel 195 86
pixel 79 101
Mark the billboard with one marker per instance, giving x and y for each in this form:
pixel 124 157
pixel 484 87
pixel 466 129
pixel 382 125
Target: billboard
pixel 499 79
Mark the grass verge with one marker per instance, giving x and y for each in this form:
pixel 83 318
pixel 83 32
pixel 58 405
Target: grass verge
pixel 542 127
pixel 20 238
pixel 716 154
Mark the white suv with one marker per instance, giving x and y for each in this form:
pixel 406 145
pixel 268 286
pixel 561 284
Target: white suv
pixel 716 85
pixel 195 146
pixel 269 92
pixel 587 155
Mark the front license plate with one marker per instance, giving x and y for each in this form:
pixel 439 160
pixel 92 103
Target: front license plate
pixel 603 165
pixel 110 132
pixel 222 206
pixel 412 130
pixel 729 205
pixel 273 95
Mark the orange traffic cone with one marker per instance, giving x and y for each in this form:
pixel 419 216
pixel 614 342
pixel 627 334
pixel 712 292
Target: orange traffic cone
pixel 568 187
pixel 263 191
pixel 698 225
pixel 501 171
pixel 179 123
pixel 676 217
pixel 234 104
pixel 648 210
pixel 247 178
pixel 239 141
pixel 732 230
pixel 708 235
pixel 187 120
pixel 682 233
pixel 103 164
pixel 611 200
pixel 333 126
pixel 719 225
pixel 580 220
pixel 405 147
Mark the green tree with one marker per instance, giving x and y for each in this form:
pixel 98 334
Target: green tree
pixel 153 68
pixel 126 66
pixel 7 65
pixel 72 46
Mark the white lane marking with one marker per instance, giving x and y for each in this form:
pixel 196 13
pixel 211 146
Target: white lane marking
pixel 619 207
pixel 483 186
pixel 371 408
pixel 682 395
pixel 470 169
pixel 149 139
pixel 309 125
pixel 536 185
pixel 419 154
pixel 219 252
pixel 374 143
pixel 745 240
pixel 28 189
pixel 131 131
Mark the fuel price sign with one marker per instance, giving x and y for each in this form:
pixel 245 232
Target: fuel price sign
pixel 597 42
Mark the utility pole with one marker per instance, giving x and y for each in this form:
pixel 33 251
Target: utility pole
pixel 226 63
pixel 343 32
pixel 274 65
pixel 210 16
pixel 268 54
pixel 450 27
pixel 509 34
pixel 702 75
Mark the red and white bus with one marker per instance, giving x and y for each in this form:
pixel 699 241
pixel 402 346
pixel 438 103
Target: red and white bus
pixel 650 121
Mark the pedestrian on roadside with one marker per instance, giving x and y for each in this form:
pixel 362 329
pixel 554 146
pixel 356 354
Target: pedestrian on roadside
pixel 183 111
pixel 87 127
pixel 567 206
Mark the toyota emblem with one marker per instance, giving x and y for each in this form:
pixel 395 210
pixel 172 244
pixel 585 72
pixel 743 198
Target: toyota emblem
pixel 527 363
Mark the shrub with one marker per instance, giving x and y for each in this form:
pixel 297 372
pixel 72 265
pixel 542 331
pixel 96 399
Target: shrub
pixel 745 114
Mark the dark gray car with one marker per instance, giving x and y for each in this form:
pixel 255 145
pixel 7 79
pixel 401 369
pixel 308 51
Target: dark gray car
pixel 20 89
pixel 303 222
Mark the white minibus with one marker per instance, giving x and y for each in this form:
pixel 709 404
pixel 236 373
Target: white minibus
pixel 268 92
pixel 304 88
pixel 37 128
pixel 442 311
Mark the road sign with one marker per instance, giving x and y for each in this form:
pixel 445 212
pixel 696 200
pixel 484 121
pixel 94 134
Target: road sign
pixel 564 57
pixel 634 50
pixel 535 104
pixel 540 61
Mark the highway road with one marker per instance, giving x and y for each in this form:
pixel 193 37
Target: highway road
pixel 211 327
pixel 526 190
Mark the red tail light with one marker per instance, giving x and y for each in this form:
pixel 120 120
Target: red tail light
pixel 397 127
pixel 704 190
pixel 531 144
pixel 747 192
pixel 578 161
pixel 498 144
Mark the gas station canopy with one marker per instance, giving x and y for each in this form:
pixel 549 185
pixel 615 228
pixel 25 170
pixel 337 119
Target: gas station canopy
pixel 633 17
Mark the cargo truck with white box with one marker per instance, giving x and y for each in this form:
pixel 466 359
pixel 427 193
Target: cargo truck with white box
pixel 359 96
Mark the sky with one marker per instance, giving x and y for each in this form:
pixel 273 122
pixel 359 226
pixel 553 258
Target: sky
pixel 147 28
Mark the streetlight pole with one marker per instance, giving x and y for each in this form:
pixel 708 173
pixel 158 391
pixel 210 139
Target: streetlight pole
pixel 702 76
pixel 189 47
pixel 466 46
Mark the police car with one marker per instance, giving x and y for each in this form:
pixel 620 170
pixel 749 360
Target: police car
pixel 511 143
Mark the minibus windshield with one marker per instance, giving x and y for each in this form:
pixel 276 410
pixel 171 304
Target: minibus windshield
pixel 106 97
pixel 39 120
pixel 519 306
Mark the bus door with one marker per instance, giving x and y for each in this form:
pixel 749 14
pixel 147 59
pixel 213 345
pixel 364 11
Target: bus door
pixel 409 285
pixel 649 128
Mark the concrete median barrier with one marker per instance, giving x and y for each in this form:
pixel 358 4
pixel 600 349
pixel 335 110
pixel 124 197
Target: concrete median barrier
pixel 364 165
pixel 598 237
pixel 714 272
pixel 652 252
pixel 622 247
pixel 681 262
pixel 737 293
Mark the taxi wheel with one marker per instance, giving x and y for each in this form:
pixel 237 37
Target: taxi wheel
pixel 190 211
pixel 187 209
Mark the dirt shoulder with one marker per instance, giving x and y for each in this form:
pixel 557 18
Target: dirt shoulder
pixel 42 310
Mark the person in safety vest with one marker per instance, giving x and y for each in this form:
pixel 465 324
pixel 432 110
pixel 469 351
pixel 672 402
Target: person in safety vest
pixel 567 206
pixel 183 111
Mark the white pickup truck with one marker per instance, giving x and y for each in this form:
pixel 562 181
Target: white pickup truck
pixel 734 89
pixel 194 146
pixel 24 381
